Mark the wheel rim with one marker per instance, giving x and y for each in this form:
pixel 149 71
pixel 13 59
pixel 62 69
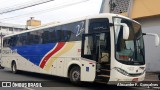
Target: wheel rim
pixel 14 68
pixel 75 75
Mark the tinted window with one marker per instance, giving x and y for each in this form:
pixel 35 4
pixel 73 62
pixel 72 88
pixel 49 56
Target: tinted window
pixel 22 39
pixel 33 38
pixel 6 42
pixel 63 33
pixel 10 41
pixel 74 30
pixel 96 25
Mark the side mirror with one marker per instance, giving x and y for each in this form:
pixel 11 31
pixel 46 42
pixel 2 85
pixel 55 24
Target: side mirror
pixel 156 38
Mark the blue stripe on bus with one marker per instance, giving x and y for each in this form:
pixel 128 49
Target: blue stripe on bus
pixel 34 53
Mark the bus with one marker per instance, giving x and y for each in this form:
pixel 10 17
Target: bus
pixel 103 48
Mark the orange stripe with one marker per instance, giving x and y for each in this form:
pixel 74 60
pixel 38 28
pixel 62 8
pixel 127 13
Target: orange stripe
pixel 46 58
pixel 67 47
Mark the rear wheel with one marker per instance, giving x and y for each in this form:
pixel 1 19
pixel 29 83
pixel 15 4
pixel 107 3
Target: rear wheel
pixel 75 75
pixel 14 68
pixel 1 67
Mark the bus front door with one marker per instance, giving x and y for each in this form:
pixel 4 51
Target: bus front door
pixel 88 68
pixel 96 47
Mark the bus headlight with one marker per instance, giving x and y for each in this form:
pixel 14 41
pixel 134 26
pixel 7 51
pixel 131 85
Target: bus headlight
pixel 121 71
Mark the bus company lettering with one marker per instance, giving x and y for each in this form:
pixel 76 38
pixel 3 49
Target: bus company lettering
pixel 80 28
pixel 8 51
pixel 15 84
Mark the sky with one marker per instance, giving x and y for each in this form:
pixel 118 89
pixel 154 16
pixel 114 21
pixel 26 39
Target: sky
pixel 54 11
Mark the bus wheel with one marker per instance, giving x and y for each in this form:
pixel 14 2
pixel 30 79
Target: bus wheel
pixel 14 68
pixel 75 75
pixel 1 67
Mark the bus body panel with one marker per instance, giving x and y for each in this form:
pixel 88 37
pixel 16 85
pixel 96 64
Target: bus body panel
pixel 56 65
pixel 88 70
pixel 137 72
pixel 134 69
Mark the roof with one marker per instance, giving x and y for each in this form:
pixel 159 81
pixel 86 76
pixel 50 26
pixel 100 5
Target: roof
pixel 12 25
pixel 103 15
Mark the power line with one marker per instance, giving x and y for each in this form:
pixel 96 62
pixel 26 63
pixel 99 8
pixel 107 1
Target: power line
pixel 46 10
pixel 23 6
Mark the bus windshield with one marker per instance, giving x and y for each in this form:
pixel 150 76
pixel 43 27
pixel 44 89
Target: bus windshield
pixel 129 51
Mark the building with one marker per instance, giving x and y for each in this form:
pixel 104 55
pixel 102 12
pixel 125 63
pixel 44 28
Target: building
pixel 33 22
pixel 6 28
pixel 147 12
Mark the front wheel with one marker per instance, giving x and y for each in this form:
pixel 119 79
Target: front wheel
pixel 75 75
pixel 14 68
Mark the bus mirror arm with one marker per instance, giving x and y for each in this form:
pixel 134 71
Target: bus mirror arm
pixel 156 37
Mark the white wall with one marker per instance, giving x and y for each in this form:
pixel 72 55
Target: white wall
pixel 152 53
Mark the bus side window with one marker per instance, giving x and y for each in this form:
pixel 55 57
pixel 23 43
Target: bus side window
pixel 67 35
pixel 48 36
pixel 45 37
pixel 53 37
pixel 67 31
pixel 12 41
pixel 5 42
pixel 22 40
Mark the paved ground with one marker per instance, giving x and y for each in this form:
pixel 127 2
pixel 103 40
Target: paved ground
pixel 61 83
pixel 151 77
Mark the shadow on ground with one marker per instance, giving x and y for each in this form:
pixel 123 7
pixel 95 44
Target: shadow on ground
pixel 55 81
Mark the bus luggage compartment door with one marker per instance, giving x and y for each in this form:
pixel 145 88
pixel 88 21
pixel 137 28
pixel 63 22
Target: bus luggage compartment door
pixel 88 70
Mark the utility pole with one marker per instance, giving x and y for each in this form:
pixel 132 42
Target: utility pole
pixel 1 45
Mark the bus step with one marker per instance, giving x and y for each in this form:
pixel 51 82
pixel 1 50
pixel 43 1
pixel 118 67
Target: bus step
pixel 105 70
pixel 102 78
pixel 105 76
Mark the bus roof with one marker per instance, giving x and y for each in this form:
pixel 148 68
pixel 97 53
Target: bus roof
pixel 70 21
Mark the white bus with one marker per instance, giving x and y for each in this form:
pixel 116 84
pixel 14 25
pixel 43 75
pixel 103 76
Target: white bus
pixel 103 48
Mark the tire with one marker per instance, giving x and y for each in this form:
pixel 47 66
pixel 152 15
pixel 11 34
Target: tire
pixel 159 76
pixel 1 67
pixel 14 68
pixel 74 75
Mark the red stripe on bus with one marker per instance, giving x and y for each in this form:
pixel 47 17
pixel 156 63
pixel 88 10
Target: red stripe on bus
pixel 59 46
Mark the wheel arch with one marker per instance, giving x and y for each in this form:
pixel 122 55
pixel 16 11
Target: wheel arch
pixel 71 66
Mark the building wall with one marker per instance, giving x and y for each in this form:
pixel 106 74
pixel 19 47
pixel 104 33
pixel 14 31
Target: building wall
pixel 145 8
pixel 9 30
pixel 33 23
pixel 152 53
